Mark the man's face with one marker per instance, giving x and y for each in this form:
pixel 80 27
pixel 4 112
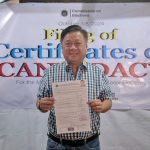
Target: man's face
pixel 74 47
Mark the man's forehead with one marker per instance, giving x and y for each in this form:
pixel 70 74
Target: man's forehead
pixel 74 33
pixel 73 36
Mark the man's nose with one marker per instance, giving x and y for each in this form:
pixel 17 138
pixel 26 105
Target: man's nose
pixel 73 46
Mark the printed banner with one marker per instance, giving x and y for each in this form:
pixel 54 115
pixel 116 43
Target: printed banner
pixel 118 43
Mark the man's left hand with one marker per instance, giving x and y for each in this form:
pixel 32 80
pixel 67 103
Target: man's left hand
pixel 100 106
pixel 96 105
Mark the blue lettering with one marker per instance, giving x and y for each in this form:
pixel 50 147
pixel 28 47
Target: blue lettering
pixel 16 51
pixel 131 53
pixel 7 46
pixel 92 53
pixel 50 50
pixel 104 52
pixel 59 51
pixel 147 53
pixel 116 51
pixel 28 52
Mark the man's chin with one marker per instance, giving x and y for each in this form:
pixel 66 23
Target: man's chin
pixel 74 61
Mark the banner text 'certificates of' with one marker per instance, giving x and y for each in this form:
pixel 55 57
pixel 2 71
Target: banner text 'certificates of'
pixel 71 108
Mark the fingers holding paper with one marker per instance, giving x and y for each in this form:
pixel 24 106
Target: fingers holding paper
pixel 100 106
pixel 96 105
pixel 46 103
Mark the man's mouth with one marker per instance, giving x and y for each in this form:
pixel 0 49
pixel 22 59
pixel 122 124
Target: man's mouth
pixel 73 54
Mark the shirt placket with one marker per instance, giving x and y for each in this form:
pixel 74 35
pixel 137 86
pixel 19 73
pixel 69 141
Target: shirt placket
pixel 80 74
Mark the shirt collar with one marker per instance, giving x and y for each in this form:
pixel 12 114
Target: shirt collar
pixel 82 66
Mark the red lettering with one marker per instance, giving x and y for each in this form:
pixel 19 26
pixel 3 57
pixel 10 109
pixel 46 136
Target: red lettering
pixel 1 69
pixel 39 67
pixel 6 70
pixel 24 68
pixel 119 68
pixel 133 67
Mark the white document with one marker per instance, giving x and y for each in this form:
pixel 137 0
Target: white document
pixel 71 108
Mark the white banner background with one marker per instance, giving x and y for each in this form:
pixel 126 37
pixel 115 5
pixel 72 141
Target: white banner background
pixel 120 34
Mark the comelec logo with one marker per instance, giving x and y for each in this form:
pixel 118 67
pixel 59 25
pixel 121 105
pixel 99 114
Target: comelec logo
pixel 64 13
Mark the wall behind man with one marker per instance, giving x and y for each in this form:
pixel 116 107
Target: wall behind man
pixel 25 129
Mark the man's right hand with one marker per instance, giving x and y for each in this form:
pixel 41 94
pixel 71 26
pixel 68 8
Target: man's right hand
pixel 45 104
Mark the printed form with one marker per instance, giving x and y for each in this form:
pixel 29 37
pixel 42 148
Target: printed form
pixel 71 108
